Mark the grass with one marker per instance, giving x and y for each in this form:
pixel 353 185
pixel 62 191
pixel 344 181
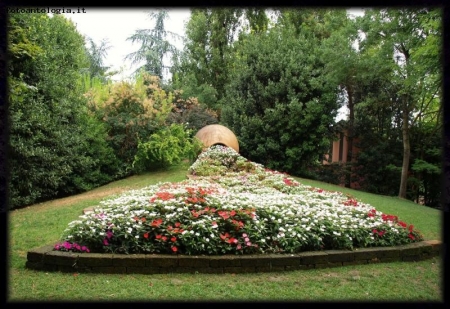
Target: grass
pixel 43 224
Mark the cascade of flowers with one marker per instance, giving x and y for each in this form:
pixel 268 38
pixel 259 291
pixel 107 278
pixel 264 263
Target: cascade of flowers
pixel 244 209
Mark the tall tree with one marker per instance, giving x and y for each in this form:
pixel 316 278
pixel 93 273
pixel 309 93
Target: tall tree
pixel 407 41
pixel 47 144
pixel 155 45
pixel 279 103
pixel 203 70
pixel 342 65
pixel 97 54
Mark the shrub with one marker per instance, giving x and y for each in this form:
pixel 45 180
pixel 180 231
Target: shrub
pixel 166 147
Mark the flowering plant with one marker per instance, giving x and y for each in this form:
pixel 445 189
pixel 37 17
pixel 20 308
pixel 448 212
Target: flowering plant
pixel 245 210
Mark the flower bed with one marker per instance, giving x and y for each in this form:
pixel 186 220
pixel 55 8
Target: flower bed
pixel 233 206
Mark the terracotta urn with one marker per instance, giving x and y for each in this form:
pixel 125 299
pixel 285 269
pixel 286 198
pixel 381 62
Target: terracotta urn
pixel 216 134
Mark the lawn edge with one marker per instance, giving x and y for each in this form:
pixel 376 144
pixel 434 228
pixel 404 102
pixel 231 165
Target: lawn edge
pixel 45 258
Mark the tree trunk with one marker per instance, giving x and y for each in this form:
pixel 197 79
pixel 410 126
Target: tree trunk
pixel 406 152
pixel 351 119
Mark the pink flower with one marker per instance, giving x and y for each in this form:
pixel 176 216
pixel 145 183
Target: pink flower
pixel 247 239
pixel 67 245
pixel 244 235
pixel 249 244
pixel 105 242
pixel 109 234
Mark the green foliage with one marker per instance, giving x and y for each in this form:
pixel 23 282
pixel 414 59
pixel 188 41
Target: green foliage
pixel 132 111
pixel 333 173
pixel 423 166
pixel 103 166
pixel 96 54
pixel 279 104
pixel 410 55
pixel 378 167
pixel 154 45
pixel 168 146
pixel 220 160
pixel 48 120
pixel 203 69
pixel 190 112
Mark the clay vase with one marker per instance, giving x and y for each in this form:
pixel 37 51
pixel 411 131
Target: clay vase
pixel 216 134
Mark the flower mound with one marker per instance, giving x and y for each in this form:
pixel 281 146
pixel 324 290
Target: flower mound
pixel 243 209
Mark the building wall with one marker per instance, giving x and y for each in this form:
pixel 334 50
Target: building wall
pixel 339 152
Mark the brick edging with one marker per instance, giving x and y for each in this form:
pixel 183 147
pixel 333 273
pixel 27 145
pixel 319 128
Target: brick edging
pixel 45 258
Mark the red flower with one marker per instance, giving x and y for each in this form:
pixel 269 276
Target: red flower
pixel 146 235
pixel 173 239
pixel 158 236
pixel 177 224
pixel 156 222
pixel 174 249
pixel 194 213
pixel 164 238
pixel 224 214
pixel 372 213
pixel 411 227
pixel 232 213
pixel 232 240
pixel 403 224
pixel 411 236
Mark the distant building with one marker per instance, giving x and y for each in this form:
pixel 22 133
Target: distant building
pixel 338 154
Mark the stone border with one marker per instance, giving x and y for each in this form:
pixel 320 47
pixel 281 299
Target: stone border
pixel 46 259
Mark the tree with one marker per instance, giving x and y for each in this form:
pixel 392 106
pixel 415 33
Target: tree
pixel 203 68
pixel 97 54
pixel 342 65
pixel 279 103
pixel 406 42
pixel 154 45
pixel 47 147
pixel 132 110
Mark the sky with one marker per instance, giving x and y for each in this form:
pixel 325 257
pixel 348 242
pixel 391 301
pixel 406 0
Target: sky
pixel 117 25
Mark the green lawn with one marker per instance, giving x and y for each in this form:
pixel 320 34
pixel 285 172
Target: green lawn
pixel 43 224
